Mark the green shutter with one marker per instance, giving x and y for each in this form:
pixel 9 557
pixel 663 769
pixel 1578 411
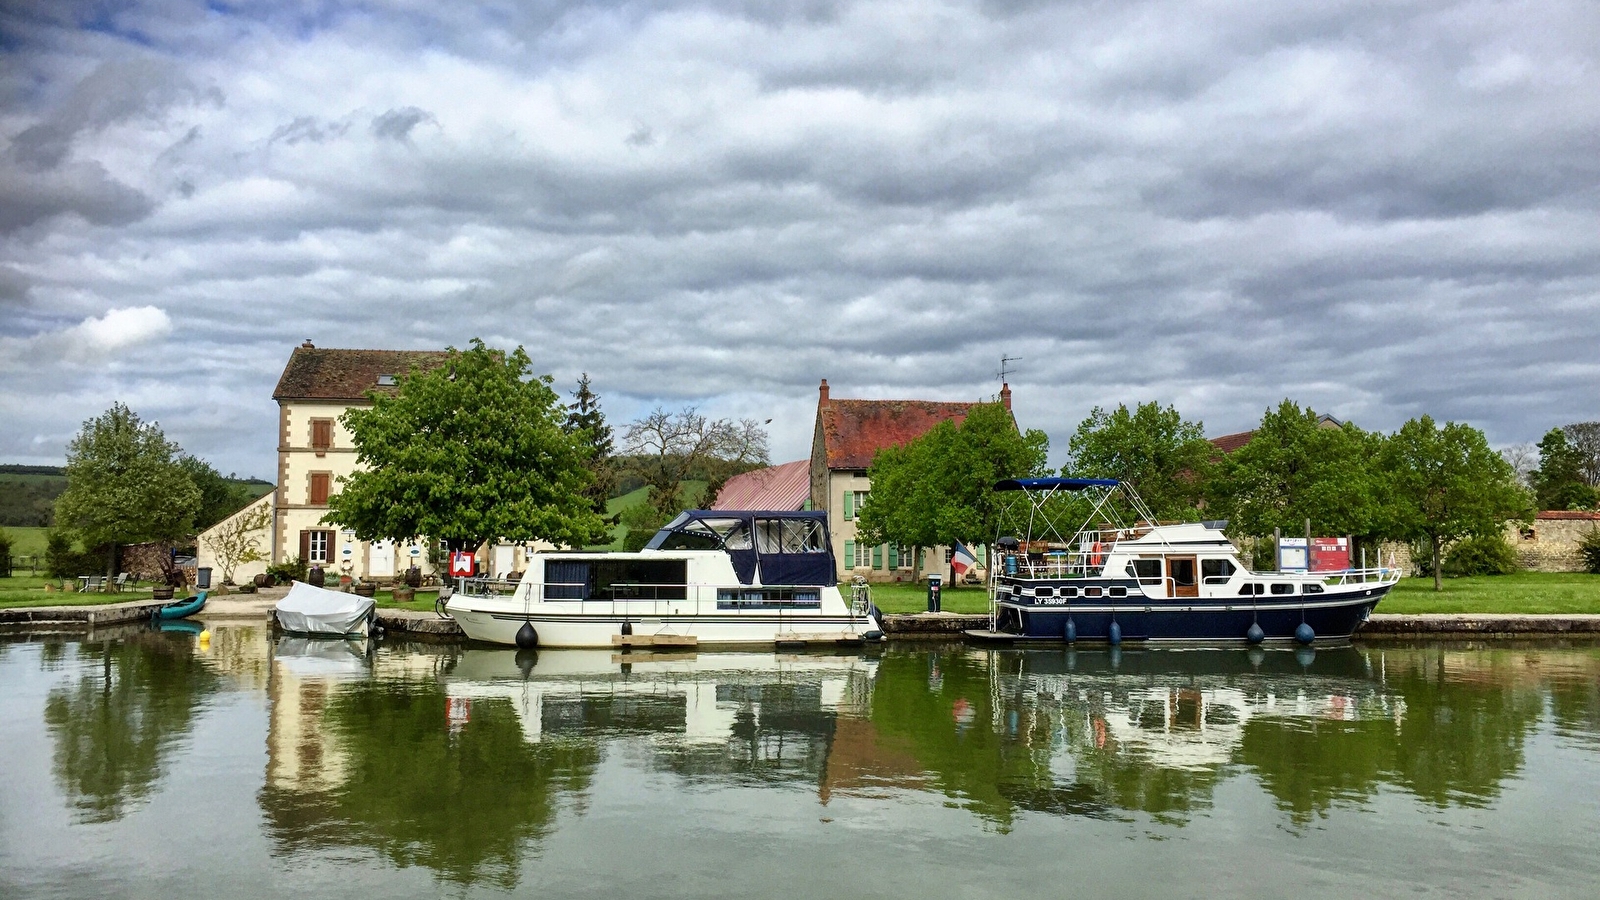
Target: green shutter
pixel 849 554
pixel 849 505
pixel 877 557
pixel 894 556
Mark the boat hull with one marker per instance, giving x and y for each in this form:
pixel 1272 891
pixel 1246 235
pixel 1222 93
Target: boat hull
pixel 590 630
pixel 1332 617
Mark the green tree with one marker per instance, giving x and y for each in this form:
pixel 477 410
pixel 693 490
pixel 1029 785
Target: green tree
pixel 938 489
pixel 1559 482
pixel 469 452
pixel 219 497
pixel 1296 469
pixel 1447 484
pixel 667 448
pixel 585 418
pixel 124 485
pixel 1164 457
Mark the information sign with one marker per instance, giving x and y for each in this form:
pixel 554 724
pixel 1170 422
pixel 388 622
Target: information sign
pixel 461 564
pixel 1330 554
pixel 1292 554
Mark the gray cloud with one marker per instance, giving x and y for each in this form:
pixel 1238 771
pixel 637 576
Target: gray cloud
pixel 1380 211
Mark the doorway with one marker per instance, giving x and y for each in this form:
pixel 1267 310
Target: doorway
pixel 1181 569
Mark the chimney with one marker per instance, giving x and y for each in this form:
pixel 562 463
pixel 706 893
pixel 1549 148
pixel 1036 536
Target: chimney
pixel 822 393
pixel 1005 395
pixel 308 345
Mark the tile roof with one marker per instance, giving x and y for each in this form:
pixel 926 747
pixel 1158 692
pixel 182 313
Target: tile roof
pixel 786 486
pixel 1579 514
pixel 317 374
pixel 1228 443
pixel 854 430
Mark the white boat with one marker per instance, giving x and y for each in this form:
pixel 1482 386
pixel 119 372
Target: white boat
pixel 709 578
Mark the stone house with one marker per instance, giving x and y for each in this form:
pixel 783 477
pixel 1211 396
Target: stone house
pixel 847 435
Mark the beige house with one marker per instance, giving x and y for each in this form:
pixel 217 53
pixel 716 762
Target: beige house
pixel 847 435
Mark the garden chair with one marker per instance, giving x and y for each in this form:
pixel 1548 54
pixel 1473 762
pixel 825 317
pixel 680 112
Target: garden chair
pixel 96 584
pixel 117 585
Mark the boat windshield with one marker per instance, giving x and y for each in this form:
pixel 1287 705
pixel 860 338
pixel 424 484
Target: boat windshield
pixel 711 533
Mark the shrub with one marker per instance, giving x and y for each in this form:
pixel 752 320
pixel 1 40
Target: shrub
pixel 5 554
pixel 1590 548
pixel 291 569
pixel 1487 554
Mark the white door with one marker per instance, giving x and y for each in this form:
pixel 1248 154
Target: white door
pixel 503 560
pixel 382 565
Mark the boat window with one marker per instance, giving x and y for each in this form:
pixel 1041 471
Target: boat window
pixel 566 579
pixel 1119 592
pixel 769 535
pixel 1182 570
pixel 691 540
pixel 735 534
pixel 1148 571
pixel 802 536
pixel 1091 592
pixel 769 598
pixel 1312 588
pixel 1069 592
pixel 1246 590
pixel 1044 592
pixel 1283 589
pixel 1217 571
pixel 639 579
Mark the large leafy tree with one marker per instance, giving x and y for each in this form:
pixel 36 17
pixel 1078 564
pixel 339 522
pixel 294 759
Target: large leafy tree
pixel 585 418
pixel 665 448
pixel 1560 482
pixel 469 452
pixel 938 489
pixel 125 485
pixel 219 497
pixel 1166 458
pixel 1296 468
pixel 1447 484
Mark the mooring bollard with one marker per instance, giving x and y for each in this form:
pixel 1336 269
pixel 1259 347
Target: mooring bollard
pixel 935 582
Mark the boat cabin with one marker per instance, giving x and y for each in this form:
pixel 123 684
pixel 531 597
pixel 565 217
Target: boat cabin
pixel 765 547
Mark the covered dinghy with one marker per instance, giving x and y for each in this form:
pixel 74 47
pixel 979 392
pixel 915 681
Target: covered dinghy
pixel 312 610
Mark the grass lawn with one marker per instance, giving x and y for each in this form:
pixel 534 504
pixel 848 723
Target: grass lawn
pixel 1524 592
pixel 423 602
pixel 25 590
pixel 899 597
pixel 27 542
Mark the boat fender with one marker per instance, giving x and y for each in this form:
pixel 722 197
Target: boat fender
pixel 1304 633
pixel 1069 632
pixel 873 635
pixel 627 627
pixel 1115 635
pixel 1255 635
pixel 376 631
pixel 527 637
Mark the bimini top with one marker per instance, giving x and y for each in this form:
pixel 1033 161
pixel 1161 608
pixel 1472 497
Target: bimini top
pixel 1065 484
pixel 791 546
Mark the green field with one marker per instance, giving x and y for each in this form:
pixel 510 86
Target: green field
pixel 26 541
pixel 690 492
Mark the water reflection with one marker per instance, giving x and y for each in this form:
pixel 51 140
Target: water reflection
pixel 115 724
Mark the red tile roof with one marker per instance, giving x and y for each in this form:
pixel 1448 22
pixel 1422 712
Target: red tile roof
pixel 854 430
pixel 1579 514
pixel 316 374
pixel 785 486
pixel 1228 443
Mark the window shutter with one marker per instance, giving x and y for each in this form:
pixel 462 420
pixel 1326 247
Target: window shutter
pixel 849 505
pixel 850 554
pixel 305 546
pixel 894 556
pixel 319 487
pixel 877 557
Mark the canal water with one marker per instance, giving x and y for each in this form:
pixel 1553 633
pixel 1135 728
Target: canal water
pixel 146 764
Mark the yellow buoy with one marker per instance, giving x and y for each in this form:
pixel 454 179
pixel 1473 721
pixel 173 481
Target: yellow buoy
pixel 205 638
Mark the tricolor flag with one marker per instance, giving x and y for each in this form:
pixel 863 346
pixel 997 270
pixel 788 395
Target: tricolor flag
pixel 961 559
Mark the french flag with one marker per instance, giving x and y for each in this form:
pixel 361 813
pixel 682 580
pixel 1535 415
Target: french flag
pixel 961 559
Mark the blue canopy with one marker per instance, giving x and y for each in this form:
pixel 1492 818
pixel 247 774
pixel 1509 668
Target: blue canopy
pixel 1066 484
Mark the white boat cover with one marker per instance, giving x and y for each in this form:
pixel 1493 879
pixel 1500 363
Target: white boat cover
pixel 308 609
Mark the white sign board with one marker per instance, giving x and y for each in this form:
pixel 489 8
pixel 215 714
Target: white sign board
pixel 1293 555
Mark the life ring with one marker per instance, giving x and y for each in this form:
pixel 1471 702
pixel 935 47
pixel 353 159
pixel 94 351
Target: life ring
pixel 1096 553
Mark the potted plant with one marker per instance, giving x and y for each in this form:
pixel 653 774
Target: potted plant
pixel 404 594
pixel 366 588
pixel 414 577
pixel 316 576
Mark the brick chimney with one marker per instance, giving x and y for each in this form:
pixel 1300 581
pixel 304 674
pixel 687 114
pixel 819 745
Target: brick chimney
pixel 822 393
pixel 308 345
pixel 1005 394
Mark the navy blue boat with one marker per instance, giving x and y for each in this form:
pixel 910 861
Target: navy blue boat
pixel 1112 583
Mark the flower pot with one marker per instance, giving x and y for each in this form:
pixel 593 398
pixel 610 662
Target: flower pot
pixel 316 577
pixel 414 577
pixel 261 580
pixel 161 592
pixel 366 589
pixel 404 595
pixel 272 581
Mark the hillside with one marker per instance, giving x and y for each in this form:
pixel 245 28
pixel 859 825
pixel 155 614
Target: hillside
pixel 615 506
pixel 28 494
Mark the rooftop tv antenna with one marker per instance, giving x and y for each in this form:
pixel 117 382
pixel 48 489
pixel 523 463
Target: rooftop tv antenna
pixel 1004 369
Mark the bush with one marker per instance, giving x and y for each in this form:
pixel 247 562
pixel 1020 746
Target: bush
pixel 1487 554
pixel 5 554
pixel 63 561
pixel 1590 548
pixel 291 569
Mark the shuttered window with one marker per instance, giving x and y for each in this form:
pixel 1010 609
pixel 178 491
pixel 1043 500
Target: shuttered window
pixel 850 553
pixel 319 487
pixel 849 505
pixel 321 434
pixel 877 557
pixel 894 556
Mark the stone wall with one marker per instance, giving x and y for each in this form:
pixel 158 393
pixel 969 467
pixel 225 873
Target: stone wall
pixel 1550 544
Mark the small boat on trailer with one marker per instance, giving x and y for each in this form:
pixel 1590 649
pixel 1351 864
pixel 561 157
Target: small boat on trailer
pixel 1121 577
pixel 708 578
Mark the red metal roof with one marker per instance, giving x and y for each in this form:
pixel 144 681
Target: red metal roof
pixel 1579 514
pixel 854 430
pixel 785 486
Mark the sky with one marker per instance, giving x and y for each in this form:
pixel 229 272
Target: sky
pixel 1377 209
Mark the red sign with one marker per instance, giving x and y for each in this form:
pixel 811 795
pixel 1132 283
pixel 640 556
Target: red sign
pixel 1330 554
pixel 461 564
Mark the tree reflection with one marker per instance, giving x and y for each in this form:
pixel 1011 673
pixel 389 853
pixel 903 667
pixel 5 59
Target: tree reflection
pixel 114 725
pixel 460 801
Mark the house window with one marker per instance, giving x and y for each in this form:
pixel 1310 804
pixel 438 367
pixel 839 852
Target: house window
pixel 863 555
pixel 316 546
pixel 321 434
pixel 908 558
pixel 853 501
pixel 385 380
pixel 320 482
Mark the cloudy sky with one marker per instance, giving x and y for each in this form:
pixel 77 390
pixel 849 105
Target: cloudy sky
pixel 1377 208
